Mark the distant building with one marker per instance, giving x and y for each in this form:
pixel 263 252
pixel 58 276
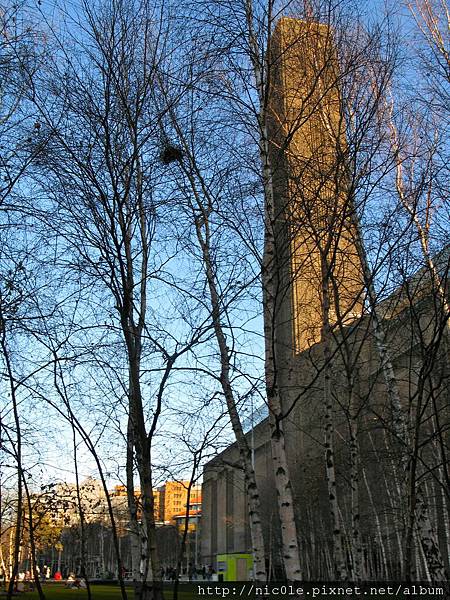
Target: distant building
pixel 169 500
pixel 61 502
pixel 174 500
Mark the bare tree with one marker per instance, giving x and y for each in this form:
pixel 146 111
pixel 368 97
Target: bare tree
pixel 201 197
pixel 105 175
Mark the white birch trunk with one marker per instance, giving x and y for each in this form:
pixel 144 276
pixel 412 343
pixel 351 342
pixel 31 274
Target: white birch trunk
pixel 446 519
pixel 254 505
pixel 135 552
pixel 289 535
pixel 340 567
pixel 426 570
pixel 357 551
pixel 2 562
pixel 427 536
pixel 377 524
pixel 398 418
pixel 291 553
pixel 396 502
pixel 428 539
pixel 11 554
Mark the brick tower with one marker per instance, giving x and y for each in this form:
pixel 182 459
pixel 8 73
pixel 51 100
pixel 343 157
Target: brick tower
pixel 314 209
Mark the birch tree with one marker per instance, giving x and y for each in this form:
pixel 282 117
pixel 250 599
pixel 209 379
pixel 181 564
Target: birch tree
pixel 203 210
pixel 101 172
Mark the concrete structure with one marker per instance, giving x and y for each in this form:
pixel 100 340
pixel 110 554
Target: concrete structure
pixel 307 134
pixel 421 365
pixel 225 528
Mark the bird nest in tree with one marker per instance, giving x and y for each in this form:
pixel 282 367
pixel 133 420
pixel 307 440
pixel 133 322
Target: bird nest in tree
pixel 171 153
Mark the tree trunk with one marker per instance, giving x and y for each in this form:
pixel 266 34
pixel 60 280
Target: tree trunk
pixel 82 522
pixel 32 543
pixel 357 551
pixel 419 518
pixel 340 568
pixel 18 456
pixel 133 525
pixel 149 586
pixel 289 535
pixel 269 275
pixel 428 539
pixel 383 574
pixel 251 487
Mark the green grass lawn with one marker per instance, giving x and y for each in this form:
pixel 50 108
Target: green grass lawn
pixel 59 592
pixel 99 592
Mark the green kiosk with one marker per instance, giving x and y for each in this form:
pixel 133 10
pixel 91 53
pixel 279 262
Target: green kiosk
pixel 234 567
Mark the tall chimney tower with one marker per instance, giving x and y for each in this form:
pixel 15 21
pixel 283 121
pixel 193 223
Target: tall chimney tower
pixel 314 210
